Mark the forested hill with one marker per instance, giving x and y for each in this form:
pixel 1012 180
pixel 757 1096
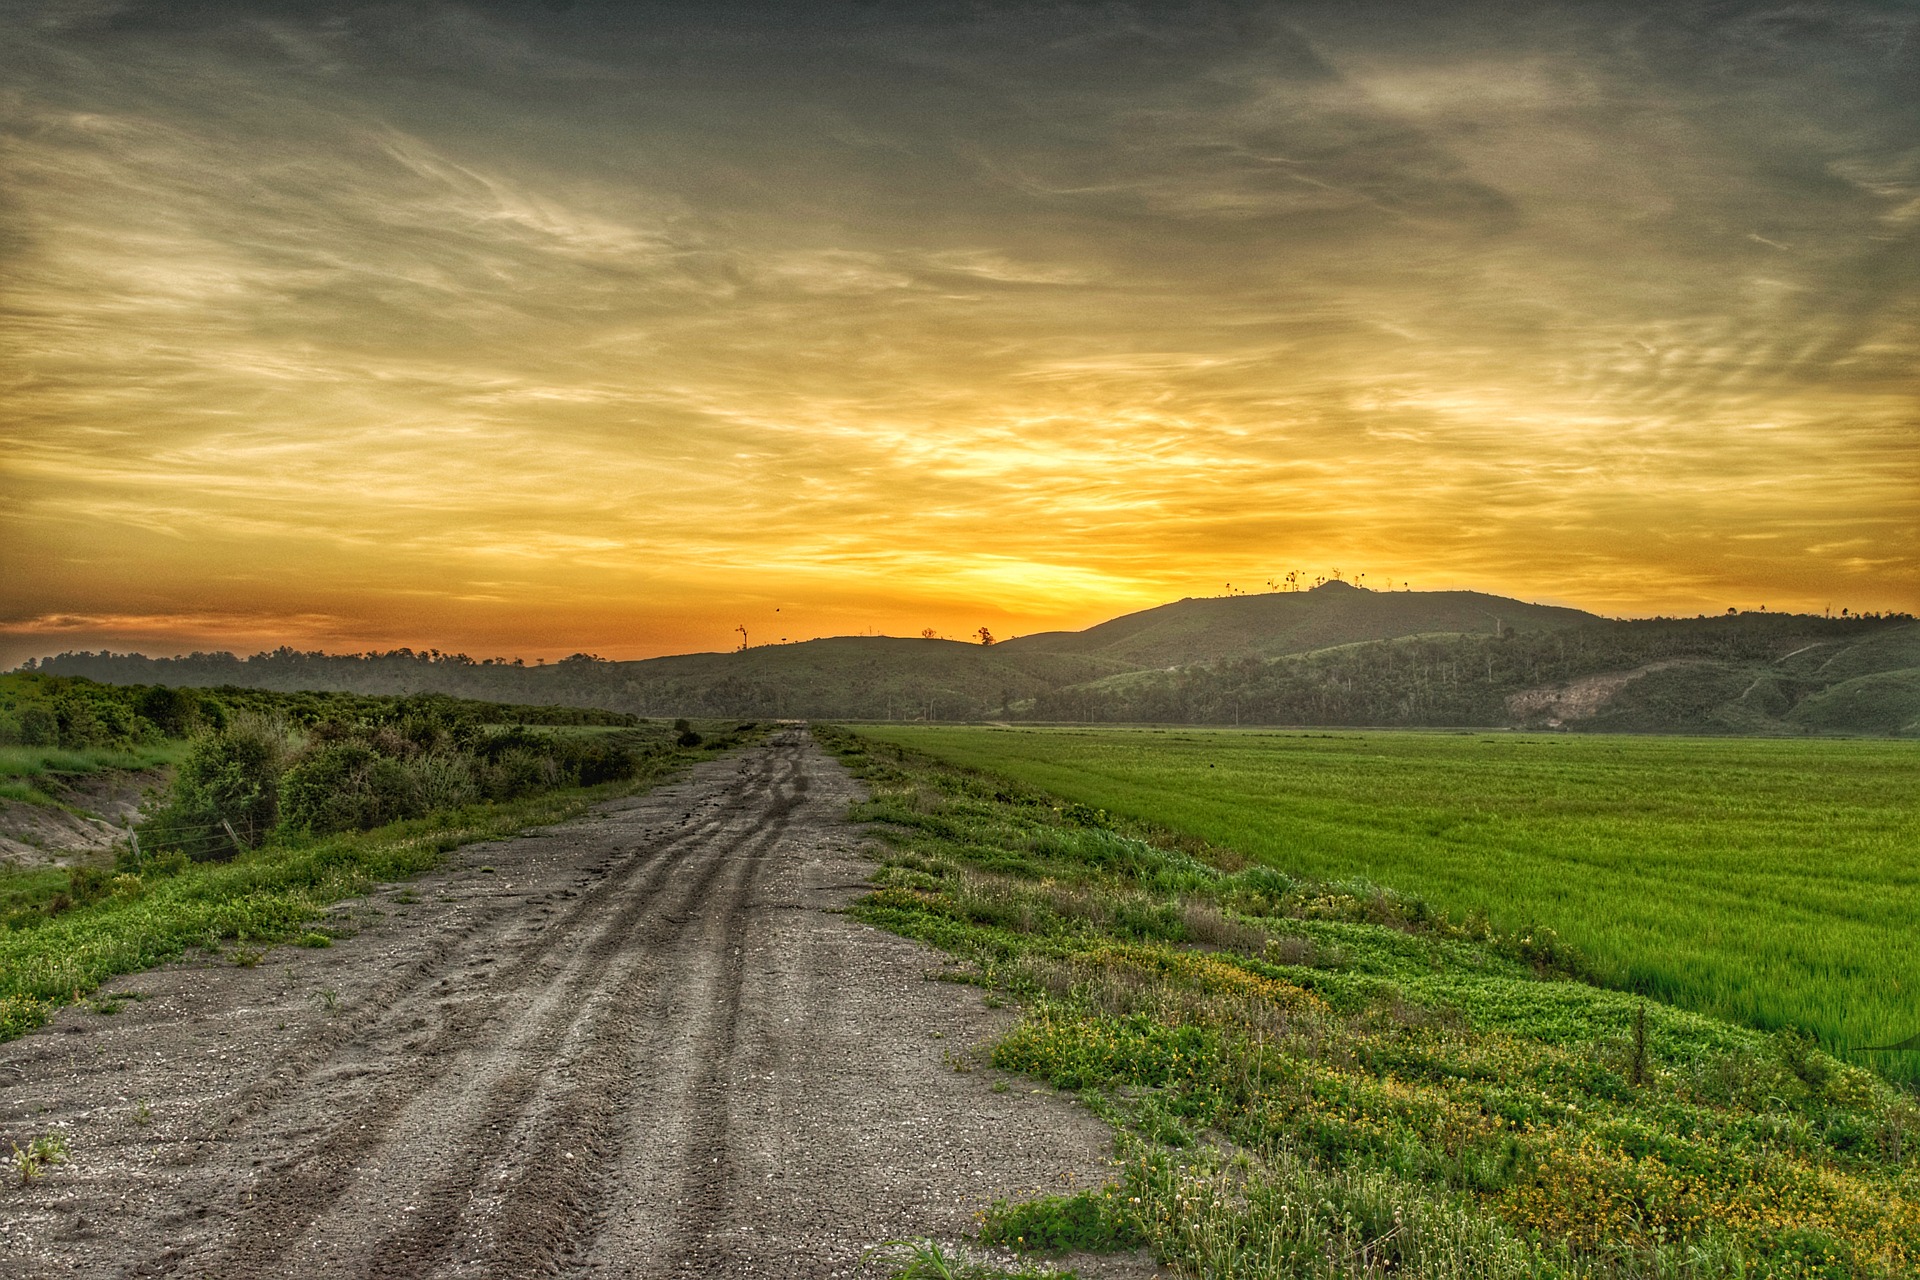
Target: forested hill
pixel 1752 673
pixel 1333 655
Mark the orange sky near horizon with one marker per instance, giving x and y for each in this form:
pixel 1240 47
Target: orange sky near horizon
pixel 606 328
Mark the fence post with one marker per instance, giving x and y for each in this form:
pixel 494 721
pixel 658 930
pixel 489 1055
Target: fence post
pixel 238 847
pixel 133 838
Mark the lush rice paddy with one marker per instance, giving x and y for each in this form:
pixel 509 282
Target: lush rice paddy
pixel 1774 882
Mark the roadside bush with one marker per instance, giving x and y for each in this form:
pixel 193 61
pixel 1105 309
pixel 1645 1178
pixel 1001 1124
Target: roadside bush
pixel 400 760
pixel 229 779
pixel 348 786
pixel 590 762
pixel 360 776
pixel 518 771
pixel 445 779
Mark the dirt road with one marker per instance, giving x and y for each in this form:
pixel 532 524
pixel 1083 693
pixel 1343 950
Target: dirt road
pixel 639 1044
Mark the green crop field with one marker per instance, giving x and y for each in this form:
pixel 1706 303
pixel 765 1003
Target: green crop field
pixel 1773 882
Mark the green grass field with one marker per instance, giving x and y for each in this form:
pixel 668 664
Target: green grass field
pixel 1772 882
pixel 1312 1079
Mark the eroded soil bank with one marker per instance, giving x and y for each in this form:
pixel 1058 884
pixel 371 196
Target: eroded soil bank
pixel 92 816
pixel 642 1043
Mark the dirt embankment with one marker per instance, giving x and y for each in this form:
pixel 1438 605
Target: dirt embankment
pixel 94 812
pixel 640 1044
pixel 1581 699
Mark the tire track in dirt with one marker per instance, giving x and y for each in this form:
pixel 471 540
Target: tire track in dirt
pixel 303 1190
pixel 547 1206
pixel 379 1004
pixel 706 1184
pixel 649 1046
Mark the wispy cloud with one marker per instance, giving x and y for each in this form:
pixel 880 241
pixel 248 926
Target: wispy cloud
pixel 598 328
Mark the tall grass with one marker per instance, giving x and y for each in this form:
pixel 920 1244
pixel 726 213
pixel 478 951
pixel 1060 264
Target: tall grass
pixel 1772 882
pixel 23 770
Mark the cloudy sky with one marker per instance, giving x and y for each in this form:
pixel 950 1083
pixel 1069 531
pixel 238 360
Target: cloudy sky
pixel 527 329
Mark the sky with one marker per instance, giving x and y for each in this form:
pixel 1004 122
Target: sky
pixel 528 329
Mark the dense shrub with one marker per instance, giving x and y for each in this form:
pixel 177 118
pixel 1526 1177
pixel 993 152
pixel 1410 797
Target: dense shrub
pixel 426 757
pixel 176 713
pixel 229 783
pixel 55 711
pixel 347 786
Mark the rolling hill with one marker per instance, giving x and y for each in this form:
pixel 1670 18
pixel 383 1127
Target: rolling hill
pixel 1751 673
pixel 1209 629
pixel 1337 654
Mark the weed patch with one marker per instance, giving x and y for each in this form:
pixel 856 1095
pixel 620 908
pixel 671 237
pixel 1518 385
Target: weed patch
pixel 931 1260
pixel 32 1161
pixel 1090 1222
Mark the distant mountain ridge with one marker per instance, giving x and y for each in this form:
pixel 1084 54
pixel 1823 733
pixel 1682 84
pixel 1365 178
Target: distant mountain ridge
pixel 1337 654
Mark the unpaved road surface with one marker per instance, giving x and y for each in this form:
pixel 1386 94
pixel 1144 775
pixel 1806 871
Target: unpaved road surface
pixel 642 1043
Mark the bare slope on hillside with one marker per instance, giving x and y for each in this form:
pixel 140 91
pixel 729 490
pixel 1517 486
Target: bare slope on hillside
pixel 639 1044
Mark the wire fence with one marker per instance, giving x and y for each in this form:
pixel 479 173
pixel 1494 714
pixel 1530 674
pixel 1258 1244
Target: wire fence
pixel 199 841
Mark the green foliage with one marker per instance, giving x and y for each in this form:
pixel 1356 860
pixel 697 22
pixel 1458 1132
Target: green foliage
pixel 226 795
pixel 175 713
pixel 931 1260
pixel 1764 881
pixel 349 786
pixel 32 1161
pixel 76 714
pixel 1327 1079
pixel 1091 1222
pixel 397 760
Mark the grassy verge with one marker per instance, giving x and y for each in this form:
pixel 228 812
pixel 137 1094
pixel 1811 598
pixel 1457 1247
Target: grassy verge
pixel 24 770
pixel 267 895
pixel 1328 1080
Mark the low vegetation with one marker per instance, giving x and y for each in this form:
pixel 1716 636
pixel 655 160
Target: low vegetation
pixel 1323 1078
pixel 1764 881
pixel 32 1161
pixel 263 774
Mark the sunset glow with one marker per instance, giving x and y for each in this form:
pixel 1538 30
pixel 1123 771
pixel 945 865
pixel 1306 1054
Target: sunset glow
pixel 602 327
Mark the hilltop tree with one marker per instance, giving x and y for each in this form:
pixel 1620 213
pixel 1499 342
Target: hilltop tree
pixel 986 636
